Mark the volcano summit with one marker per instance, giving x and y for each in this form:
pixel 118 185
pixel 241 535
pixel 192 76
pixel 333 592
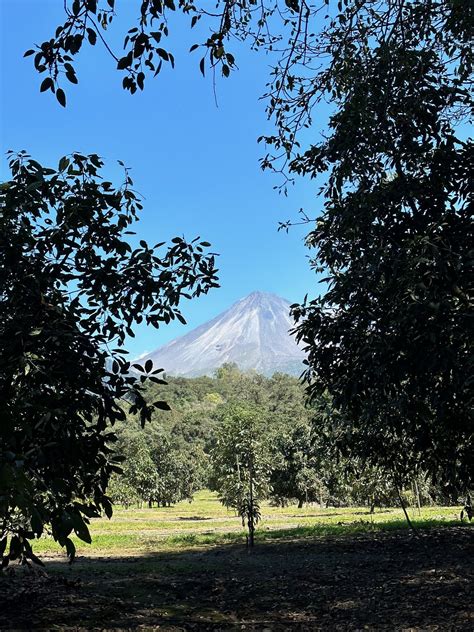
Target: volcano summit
pixel 253 333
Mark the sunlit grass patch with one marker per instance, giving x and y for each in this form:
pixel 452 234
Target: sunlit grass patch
pixel 205 523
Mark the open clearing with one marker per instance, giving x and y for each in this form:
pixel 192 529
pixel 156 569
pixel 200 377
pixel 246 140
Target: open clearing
pixel 187 568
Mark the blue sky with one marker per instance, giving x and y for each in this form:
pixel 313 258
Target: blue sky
pixel 196 164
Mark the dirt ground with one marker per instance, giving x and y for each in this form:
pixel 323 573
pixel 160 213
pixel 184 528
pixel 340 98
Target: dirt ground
pixel 377 581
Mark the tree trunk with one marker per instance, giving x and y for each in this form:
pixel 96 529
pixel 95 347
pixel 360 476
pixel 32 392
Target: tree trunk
pixel 402 504
pixel 300 503
pixel 251 524
pixel 418 497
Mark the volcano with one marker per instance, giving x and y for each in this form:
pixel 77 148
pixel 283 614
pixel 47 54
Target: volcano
pixel 253 333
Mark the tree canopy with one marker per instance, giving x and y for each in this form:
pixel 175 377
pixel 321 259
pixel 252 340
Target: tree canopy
pixel 194 446
pixel 390 339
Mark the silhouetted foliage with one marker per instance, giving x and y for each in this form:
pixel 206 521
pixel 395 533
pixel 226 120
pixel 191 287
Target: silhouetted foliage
pixel 390 339
pixel 71 289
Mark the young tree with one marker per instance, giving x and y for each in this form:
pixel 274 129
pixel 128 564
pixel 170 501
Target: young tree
pixel 121 492
pixel 139 471
pixel 71 289
pixel 240 462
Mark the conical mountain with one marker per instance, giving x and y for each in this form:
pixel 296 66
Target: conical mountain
pixel 253 333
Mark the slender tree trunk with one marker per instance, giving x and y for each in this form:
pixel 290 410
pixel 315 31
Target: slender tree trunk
pixel 417 491
pixel 402 504
pixel 251 524
pixel 300 503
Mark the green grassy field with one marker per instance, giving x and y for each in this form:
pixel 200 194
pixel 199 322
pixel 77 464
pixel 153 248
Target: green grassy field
pixel 205 522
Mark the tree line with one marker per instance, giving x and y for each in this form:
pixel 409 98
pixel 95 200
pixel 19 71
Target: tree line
pixel 250 438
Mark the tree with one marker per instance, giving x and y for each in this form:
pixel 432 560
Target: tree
pixel 71 289
pixel 295 472
pixel 139 471
pixel 121 492
pixel 240 462
pixel 157 466
pixel 389 339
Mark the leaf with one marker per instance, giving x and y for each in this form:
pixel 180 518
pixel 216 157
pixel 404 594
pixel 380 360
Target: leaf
pixel 123 63
pixel 107 507
pixel 36 523
pixel 156 380
pixel 91 36
pixel 61 97
pixel 71 76
pixel 148 366
pixel 47 84
pixel 63 163
pixel 30 555
pixel 80 528
pixel 163 54
pixel 161 405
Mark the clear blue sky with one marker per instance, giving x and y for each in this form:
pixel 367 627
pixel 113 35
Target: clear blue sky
pixel 195 163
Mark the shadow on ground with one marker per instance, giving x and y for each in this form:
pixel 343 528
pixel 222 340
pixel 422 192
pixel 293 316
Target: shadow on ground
pixel 374 581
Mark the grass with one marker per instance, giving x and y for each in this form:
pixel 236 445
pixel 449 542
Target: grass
pixel 205 522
